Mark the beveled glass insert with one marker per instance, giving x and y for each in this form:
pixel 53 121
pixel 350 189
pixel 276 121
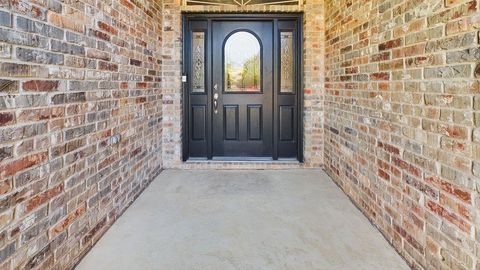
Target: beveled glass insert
pixel 286 62
pixel 242 63
pixel 198 62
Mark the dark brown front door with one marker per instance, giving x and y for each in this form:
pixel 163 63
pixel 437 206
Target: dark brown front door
pixel 241 87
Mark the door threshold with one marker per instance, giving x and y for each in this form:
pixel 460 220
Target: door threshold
pixel 243 164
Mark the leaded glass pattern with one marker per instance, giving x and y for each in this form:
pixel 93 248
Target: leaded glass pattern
pixel 286 62
pixel 242 63
pixel 198 62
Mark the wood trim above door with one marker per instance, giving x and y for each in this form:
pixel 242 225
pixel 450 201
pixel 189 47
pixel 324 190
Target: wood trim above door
pixel 203 22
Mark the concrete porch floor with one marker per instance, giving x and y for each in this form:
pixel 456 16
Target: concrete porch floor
pixel 246 220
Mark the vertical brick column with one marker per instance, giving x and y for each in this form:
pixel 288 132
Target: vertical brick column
pixel 313 80
pixel 171 83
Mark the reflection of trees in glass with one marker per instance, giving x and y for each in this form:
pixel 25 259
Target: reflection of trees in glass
pixel 229 71
pixel 242 62
pixel 250 73
pixel 245 77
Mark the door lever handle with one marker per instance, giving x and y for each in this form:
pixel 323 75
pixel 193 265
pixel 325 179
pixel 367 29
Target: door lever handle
pixel 215 103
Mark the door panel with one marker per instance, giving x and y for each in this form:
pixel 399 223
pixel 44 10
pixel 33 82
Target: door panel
pixel 199 122
pixel 242 95
pixel 230 123
pixel 255 122
pixel 287 119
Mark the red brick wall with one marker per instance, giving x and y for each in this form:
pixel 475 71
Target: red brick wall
pixel 402 122
pixel 72 75
pixel 313 81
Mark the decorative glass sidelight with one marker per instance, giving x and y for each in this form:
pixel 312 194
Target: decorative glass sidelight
pixel 286 62
pixel 198 62
pixel 242 68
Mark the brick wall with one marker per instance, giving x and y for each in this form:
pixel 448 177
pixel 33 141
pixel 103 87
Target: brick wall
pixel 72 75
pixel 313 82
pixel 172 84
pixel 394 117
pixel 402 129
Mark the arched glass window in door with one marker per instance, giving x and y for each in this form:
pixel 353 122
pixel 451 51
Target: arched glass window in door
pixel 242 70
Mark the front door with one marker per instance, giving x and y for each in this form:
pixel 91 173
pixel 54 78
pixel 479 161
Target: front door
pixel 241 87
pixel 242 80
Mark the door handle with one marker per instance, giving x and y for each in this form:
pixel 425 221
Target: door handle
pixel 215 103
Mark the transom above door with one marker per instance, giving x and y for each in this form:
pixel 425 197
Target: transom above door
pixel 242 98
